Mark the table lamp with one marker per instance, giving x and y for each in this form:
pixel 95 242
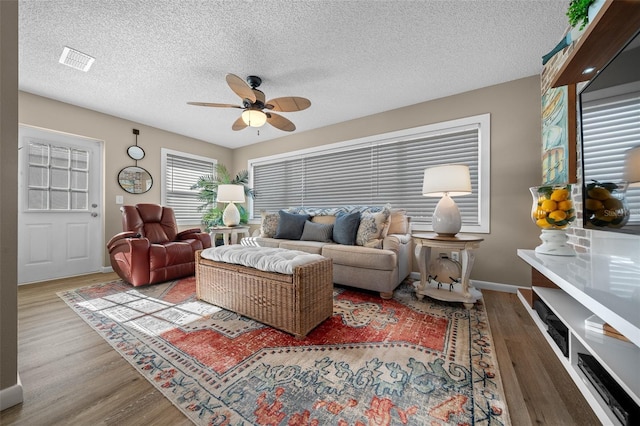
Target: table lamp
pixel 632 167
pixel 446 181
pixel 231 194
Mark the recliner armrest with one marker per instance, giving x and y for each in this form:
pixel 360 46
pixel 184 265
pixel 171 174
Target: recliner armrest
pixel 121 236
pixel 185 234
pixel 195 234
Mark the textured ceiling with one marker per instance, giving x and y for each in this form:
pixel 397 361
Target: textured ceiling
pixel 350 58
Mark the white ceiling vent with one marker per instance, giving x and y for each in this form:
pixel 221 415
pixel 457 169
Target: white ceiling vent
pixel 74 59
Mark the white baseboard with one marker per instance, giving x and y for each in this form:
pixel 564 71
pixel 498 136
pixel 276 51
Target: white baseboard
pixel 487 285
pixel 11 396
pixel 106 269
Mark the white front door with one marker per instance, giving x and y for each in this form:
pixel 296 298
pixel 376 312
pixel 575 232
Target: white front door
pixel 59 205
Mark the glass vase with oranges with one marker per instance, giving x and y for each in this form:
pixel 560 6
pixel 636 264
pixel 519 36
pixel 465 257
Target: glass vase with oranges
pixel 553 211
pixel 552 206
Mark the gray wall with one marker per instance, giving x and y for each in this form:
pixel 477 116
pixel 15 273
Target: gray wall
pixel 515 162
pixel 117 136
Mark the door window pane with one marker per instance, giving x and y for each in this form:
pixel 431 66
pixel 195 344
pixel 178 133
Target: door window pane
pixel 53 173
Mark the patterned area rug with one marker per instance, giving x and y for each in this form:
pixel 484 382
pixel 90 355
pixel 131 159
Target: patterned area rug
pixel 375 362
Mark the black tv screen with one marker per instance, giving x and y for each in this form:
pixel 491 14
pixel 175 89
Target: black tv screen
pixel 609 118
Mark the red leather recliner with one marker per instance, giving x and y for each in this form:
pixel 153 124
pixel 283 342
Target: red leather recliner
pixel 151 250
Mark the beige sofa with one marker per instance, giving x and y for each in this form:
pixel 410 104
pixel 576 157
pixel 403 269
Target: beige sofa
pixel 379 260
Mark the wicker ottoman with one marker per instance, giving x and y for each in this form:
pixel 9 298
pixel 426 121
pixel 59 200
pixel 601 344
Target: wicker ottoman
pixel 294 303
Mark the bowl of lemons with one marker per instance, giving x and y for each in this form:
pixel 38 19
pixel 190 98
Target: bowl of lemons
pixel 552 206
pixel 605 204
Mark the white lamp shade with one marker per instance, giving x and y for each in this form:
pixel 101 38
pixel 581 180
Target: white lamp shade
pixel 632 166
pixel 254 118
pixel 230 193
pixel 452 179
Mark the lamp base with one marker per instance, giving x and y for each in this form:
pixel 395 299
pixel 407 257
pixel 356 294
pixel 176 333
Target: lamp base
pixel 446 217
pixel 231 215
pixel 554 242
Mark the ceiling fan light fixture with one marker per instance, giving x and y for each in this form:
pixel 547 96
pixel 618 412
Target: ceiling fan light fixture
pixel 254 118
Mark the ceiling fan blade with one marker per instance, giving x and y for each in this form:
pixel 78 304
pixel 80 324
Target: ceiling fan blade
pixel 209 104
pixel 240 87
pixel 239 124
pixel 288 104
pixel 279 122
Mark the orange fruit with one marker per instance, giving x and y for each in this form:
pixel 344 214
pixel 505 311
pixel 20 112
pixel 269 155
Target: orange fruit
pixel 549 205
pixel 612 204
pixel 542 223
pixel 539 214
pixel 593 205
pixel 599 193
pixel 557 215
pixel 565 205
pixel 560 194
pixel 605 215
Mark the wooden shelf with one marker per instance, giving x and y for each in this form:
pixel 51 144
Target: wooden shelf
pixel 614 25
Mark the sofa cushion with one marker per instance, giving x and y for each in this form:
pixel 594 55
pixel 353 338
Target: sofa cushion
pixel 260 242
pixel 361 257
pixel 328 219
pixel 346 227
pixel 317 232
pixel 269 224
pixel 313 247
pixel 290 226
pixel 398 222
pixel 372 226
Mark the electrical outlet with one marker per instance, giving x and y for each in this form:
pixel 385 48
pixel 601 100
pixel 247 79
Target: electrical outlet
pixel 455 256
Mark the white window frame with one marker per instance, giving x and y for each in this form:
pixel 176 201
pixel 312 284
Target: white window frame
pixel 163 170
pixel 481 122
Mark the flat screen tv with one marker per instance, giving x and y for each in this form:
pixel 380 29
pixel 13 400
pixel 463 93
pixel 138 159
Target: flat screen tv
pixel 609 118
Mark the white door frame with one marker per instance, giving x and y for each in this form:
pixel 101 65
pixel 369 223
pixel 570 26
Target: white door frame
pixel 49 135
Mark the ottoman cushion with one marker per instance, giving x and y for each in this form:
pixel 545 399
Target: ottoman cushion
pixel 265 259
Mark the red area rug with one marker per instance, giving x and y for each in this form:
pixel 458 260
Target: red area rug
pixel 375 362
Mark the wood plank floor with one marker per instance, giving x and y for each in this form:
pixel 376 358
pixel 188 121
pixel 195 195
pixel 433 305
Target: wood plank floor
pixel 71 376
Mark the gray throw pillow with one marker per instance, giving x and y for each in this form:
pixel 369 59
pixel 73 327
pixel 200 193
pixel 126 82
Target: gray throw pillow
pixel 317 232
pixel 346 228
pixel 290 226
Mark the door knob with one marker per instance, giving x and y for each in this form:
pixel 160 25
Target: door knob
pixel 94 214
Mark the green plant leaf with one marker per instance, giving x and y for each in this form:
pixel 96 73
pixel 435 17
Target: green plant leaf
pixel 208 194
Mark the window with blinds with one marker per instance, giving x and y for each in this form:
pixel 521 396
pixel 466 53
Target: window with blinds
pixel 180 171
pixel 610 127
pixel 377 170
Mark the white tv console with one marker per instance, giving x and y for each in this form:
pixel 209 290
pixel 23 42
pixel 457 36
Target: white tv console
pixel 574 288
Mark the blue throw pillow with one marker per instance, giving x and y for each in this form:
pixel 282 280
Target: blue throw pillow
pixel 290 226
pixel 346 228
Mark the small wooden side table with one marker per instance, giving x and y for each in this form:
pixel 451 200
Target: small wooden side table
pixel 229 233
pixel 464 244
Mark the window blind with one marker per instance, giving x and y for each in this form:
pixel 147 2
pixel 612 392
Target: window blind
pixel 610 127
pixel 181 172
pixel 370 174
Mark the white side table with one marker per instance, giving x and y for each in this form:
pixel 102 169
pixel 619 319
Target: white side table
pixel 465 244
pixel 229 233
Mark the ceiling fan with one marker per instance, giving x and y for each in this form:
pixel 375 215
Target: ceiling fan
pixel 253 104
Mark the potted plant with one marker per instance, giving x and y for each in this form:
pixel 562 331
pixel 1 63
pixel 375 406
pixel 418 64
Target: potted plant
pixel 578 13
pixel 208 185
